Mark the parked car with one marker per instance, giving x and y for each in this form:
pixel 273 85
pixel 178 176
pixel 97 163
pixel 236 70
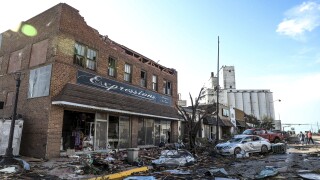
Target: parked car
pixel 271 136
pixel 247 143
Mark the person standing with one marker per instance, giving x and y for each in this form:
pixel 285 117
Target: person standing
pixel 302 137
pixel 310 137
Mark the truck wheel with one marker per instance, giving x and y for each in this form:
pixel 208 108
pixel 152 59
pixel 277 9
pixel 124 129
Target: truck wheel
pixel 264 149
pixel 276 140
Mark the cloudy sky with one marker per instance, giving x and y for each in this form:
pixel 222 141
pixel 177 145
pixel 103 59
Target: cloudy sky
pixel 272 44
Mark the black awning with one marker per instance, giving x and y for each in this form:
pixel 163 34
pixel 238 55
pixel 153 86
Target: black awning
pixel 81 94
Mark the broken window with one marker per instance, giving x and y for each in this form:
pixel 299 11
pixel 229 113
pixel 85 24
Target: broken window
pixel 39 53
pixel 154 83
pixel 9 100
pixel 146 132
pixel 143 79
pixel 15 61
pixel 85 56
pixel 127 72
pixel 39 82
pixel 124 132
pixel 166 87
pixel 112 67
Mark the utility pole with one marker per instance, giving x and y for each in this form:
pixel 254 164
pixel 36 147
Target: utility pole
pixel 8 157
pixel 218 87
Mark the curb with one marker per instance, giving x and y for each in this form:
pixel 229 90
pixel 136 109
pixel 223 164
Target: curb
pixel 121 174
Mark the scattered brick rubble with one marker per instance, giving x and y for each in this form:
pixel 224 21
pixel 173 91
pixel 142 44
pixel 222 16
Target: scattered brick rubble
pixel 206 165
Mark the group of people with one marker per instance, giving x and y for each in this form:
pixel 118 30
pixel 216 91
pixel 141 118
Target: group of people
pixel 306 138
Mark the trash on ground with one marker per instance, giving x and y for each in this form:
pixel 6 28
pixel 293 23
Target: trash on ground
pixel 279 148
pixel 178 171
pixel 8 170
pixel 242 154
pixel 217 172
pixel 140 178
pixel 171 158
pixel 269 171
pixel 312 176
pixel 26 165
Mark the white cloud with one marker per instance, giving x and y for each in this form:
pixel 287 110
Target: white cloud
pixel 300 19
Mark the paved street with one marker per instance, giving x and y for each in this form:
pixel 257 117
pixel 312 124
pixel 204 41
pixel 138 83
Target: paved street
pixel 299 160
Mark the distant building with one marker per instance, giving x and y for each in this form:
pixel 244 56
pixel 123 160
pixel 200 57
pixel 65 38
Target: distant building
pixel 256 102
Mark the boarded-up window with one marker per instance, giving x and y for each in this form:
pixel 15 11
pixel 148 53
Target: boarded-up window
pixel 39 82
pixel 39 53
pixel 9 100
pixel 15 61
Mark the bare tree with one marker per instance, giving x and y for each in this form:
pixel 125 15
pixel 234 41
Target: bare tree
pixel 193 117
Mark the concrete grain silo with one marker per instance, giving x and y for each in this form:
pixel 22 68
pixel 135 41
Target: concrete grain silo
pixel 262 104
pixel 239 100
pixel 231 99
pixel 246 102
pixel 255 104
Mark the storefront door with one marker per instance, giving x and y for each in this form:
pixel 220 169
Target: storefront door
pixel 101 136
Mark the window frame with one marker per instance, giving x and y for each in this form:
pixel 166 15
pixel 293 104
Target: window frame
pixel 127 75
pixel 43 75
pixel 166 89
pixel 154 83
pixel 86 55
pixel 114 74
pixel 143 80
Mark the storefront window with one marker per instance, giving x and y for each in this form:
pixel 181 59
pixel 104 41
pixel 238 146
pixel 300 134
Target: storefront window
pixel 146 131
pixel 124 130
pixel 141 133
pixel 149 131
pixel 113 131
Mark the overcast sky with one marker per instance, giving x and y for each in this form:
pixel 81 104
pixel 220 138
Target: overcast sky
pixel 273 44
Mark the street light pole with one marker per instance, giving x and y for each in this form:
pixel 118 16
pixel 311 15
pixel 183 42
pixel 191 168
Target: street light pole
pixel 217 122
pixel 8 157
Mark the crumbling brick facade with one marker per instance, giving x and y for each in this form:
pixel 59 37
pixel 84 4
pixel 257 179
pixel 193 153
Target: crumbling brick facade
pixel 59 29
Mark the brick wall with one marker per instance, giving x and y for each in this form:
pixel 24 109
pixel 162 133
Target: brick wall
pixel 62 26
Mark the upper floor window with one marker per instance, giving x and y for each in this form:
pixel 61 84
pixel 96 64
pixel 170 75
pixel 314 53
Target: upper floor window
pixel 39 53
pixel 39 81
pixel 154 83
pixel 143 79
pixel 225 112
pixel 112 67
pixel 85 56
pixel 127 72
pixel 167 87
pixel 15 61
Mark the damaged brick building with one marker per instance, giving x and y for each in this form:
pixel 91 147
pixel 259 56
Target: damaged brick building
pixel 80 90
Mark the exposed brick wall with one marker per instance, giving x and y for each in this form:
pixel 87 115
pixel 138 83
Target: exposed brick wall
pixel 63 26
